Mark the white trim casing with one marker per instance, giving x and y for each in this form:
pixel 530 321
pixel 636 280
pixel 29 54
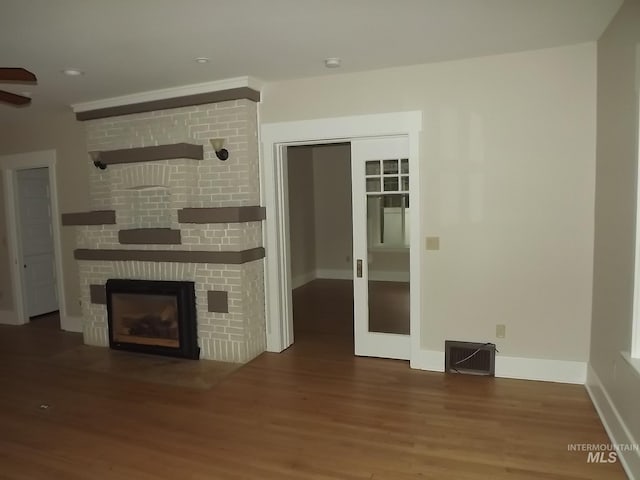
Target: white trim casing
pixel 614 424
pixel 13 244
pixel 9 164
pixel 274 139
pixel 635 328
pixel 165 93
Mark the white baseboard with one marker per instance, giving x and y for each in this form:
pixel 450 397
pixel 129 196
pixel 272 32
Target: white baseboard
pixel 374 276
pixel 428 360
pixel 70 323
pixel 614 424
pixel 302 279
pixel 389 276
pixel 561 371
pixel 334 274
pixel 9 317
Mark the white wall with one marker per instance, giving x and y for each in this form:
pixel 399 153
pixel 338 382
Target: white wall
pixel 333 223
pixel 302 232
pixel 6 302
pixel 508 158
pixel 61 132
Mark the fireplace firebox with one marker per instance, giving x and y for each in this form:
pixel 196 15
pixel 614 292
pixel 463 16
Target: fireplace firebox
pixel 157 317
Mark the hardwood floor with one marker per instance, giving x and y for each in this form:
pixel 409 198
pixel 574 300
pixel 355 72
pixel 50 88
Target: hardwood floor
pixel 312 412
pixel 327 306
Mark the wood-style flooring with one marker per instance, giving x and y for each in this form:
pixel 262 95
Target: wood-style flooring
pixel 312 412
pixel 327 306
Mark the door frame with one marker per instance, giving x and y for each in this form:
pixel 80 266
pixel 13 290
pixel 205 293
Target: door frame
pixel 9 165
pixel 275 138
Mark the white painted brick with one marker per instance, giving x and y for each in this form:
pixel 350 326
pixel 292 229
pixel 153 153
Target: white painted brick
pixel 178 184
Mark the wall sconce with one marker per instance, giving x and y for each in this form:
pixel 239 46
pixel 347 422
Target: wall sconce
pixel 95 156
pixel 218 145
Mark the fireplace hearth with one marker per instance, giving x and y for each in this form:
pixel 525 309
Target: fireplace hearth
pixel 156 317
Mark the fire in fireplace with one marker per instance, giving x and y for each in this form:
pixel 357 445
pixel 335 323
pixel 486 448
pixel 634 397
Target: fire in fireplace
pixel 156 317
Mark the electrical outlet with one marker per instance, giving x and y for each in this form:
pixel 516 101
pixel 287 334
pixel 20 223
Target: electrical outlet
pixel 501 331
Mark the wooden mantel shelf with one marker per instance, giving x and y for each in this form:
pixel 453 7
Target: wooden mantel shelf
pixel 95 217
pixel 147 154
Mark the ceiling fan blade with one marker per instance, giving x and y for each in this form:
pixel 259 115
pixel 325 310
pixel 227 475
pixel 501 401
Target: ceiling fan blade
pixel 17 75
pixel 14 99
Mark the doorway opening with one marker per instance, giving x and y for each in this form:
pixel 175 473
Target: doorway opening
pixel 37 249
pixel 321 234
pixel 405 127
pixel 33 241
pixel 321 245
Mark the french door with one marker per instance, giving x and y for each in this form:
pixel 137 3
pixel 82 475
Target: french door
pixel 380 202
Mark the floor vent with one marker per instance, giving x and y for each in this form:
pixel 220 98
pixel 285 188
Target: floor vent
pixel 470 358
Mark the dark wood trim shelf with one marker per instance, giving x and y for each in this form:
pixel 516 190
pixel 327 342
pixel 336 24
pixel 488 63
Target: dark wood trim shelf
pixel 149 154
pixel 222 215
pixel 176 102
pixel 96 217
pixel 149 236
pixel 177 256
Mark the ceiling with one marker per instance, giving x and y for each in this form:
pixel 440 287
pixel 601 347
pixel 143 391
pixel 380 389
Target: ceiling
pixel 130 46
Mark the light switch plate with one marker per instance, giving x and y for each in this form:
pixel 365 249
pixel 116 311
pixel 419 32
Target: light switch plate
pixel 433 243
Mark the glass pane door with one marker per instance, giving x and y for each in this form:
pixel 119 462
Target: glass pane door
pixel 380 175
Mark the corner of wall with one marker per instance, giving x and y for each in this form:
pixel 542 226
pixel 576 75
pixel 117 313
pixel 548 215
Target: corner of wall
pixel 614 424
pixel 9 317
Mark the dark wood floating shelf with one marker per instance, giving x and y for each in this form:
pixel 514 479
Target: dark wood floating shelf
pixel 175 102
pixel 222 215
pixel 148 154
pixel 96 217
pixel 149 236
pixel 174 256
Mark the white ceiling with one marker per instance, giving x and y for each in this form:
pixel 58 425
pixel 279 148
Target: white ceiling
pixel 130 46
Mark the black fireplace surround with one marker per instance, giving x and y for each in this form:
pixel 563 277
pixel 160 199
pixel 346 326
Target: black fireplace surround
pixel 156 317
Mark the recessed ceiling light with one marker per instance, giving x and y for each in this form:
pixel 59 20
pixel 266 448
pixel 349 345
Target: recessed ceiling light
pixel 72 72
pixel 333 62
pixel 202 60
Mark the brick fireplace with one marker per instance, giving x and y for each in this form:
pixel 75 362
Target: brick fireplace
pixel 165 208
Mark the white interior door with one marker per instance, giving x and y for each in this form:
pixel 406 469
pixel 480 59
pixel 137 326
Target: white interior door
pixel 380 199
pixel 36 234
